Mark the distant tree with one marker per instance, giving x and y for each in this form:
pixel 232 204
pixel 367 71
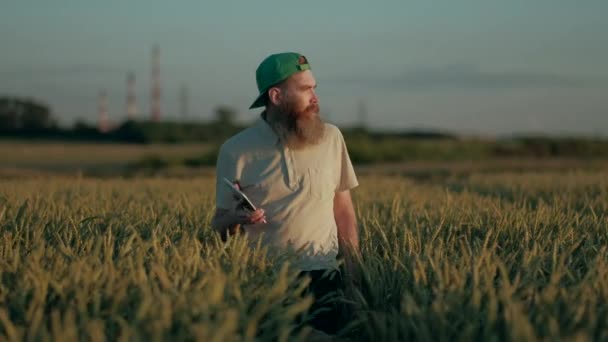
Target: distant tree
pixel 36 116
pixel 25 114
pixel 81 125
pixel 9 114
pixel 225 115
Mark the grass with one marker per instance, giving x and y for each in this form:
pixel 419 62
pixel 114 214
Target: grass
pixel 479 256
pixel 65 156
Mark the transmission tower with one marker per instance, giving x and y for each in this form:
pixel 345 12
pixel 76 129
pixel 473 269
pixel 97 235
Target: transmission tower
pixel 362 111
pixel 131 98
pixel 155 91
pixel 184 101
pixel 102 112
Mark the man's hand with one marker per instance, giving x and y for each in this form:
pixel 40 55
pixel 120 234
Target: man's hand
pixel 352 278
pixel 249 217
pixel 351 284
pixel 352 271
pixel 348 240
pixel 228 222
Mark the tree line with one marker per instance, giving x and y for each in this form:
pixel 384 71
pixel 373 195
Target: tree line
pixel 25 118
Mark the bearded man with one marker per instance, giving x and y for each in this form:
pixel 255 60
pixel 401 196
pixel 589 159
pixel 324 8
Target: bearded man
pixel 296 169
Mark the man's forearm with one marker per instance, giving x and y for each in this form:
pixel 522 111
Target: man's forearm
pixel 348 243
pixel 224 223
pixel 348 236
pixel 346 222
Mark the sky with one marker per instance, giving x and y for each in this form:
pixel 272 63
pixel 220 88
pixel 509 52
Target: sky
pixel 469 67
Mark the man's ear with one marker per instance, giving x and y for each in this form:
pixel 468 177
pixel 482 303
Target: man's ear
pixel 274 96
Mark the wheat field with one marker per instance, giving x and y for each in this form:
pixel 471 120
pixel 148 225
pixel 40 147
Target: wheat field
pixel 505 256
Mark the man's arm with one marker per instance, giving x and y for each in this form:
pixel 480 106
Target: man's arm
pixel 228 221
pixel 348 234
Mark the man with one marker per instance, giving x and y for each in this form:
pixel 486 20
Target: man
pixel 295 168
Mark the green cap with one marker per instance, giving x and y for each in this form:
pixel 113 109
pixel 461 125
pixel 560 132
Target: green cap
pixel 274 69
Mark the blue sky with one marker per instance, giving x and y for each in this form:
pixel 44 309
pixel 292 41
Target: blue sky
pixel 477 67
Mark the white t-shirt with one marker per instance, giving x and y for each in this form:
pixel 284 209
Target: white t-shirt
pixel 294 187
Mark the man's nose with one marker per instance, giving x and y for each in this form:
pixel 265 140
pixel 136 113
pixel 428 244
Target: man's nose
pixel 314 99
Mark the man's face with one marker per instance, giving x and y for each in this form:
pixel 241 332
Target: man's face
pixel 298 122
pixel 299 93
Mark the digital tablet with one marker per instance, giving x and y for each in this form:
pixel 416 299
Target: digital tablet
pixel 244 200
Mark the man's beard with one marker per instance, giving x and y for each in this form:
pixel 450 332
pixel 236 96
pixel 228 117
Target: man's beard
pixel 298 130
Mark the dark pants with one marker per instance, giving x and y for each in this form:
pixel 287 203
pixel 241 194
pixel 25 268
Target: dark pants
pixel 325 286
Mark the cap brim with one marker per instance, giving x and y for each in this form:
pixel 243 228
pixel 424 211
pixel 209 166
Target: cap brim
pixel 259 102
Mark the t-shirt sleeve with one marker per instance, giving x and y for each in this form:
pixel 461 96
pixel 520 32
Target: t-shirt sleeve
pixel 225 167
pixel 347 177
